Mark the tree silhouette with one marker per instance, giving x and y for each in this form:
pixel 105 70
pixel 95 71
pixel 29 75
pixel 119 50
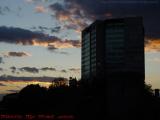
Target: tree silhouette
pixel 148 89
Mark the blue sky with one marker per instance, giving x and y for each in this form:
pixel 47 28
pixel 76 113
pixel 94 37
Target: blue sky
pixel 23 14
pixel 59 22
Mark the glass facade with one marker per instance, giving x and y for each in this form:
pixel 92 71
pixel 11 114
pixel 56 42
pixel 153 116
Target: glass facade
pixel 93 51
pixel 114 46
pixel 89 54
pixel 86 55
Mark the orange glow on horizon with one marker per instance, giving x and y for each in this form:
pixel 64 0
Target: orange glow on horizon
pixel 152 45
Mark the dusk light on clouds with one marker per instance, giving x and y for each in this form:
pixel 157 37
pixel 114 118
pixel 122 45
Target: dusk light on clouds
pixel 42 38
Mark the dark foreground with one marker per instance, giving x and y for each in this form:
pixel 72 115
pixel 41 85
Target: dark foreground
pixel 72 103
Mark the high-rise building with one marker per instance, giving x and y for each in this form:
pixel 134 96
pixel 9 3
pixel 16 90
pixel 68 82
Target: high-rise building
pixel 113 59
pixel 113 47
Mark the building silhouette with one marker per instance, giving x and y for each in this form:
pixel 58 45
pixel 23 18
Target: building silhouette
pixel 113 58
pixel 156 92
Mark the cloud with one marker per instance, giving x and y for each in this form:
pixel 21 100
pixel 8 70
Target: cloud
pixel 37 1
pixel 64 71
pixel 40 9
pixel 1 69
pixel 17 54
pixel 60 52
pixel 13 69
pixel 65 44
pixel 44 29
pixel 48 69
pixel 69 14
pixel 55 29
pixel 51 48
pixel 29 69
pixel 75 69
pixel 37 70
pixel 152 44
pixel 14 91
pixel 27 37
pixel 1 84
pixel 76 14
pixel 6 78
pixel 54 50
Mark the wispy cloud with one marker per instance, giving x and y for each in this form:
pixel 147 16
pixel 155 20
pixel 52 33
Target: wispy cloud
pixel 43 29
pixel 34 70
pixel 29 69
pixel 59 52
pixel 75 69
pixel 48 69
pixel 64 71
pixel 16 54
pixel 13 91
pixel 6 78
pixel 1 69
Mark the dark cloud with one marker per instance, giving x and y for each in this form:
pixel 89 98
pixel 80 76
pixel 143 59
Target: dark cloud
pixel 48 69
pixel 17 54
pixel 6 78
pixel 56 51
pixel 37 70
pixel 64 71
pixel 75 69
pixel 61 52
pixel 13 69
pixel 22 36
pixel 76 13
pixel 51 48
pixel 29 69
pixel 14 91
pixel 55 29
pixel 70 14
pixel 1 84
pixel 44 29
pixel 27 37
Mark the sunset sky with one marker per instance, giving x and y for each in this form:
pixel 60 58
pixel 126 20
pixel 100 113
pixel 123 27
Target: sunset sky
pixel 42 38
